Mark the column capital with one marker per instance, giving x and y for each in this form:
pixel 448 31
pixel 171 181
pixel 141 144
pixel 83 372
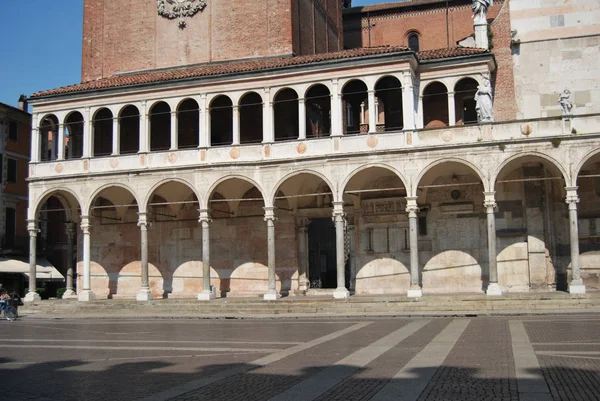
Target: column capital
pixel 32 228
pixel 269 214
pixel 338 208
pixel 142 220
pixel 85 225
pixel 204 216
pixel 411 205
pixel 450 93
pixel 572 198
pixel 490 200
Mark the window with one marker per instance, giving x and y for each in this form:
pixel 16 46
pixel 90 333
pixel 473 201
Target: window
pixel 10 227
pixel 11 170
pixel 413 42
pixel 12 130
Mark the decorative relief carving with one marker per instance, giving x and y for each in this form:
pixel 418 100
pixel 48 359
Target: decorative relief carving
pixel 179 9
pixel 383 206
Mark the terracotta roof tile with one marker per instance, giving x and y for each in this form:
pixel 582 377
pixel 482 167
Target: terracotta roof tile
pixel 388 6
pixel 237 67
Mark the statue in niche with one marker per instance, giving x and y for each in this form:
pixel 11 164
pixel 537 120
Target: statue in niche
pixel 480 8
pixel 565 102
pixel 485 105
pixel 315 117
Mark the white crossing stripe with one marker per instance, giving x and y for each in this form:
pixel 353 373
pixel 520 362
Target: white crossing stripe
pixel 407 385
pixel 530 380
pixel 319 383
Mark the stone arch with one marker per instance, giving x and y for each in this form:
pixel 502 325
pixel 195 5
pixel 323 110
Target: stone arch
pixel 355 101
pixel 577 170
pixel 150 193
pixel 98 191
pixel 317 99
pixel 517 156
pixel 285 114
pixel 277 186
pixel 221 180
pixel 188 123
pixel 159 118
pixel 342 187
pixel 220 110
pixel 48 131
pixel 435 105
pixel 250 106
pixel 49 193
pixel 467 163
pixel 389 105
pixel 129 129
pixel 464 100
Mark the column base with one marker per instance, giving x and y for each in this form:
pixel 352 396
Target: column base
pixel 414 293
pixel 341 293
pixel 576 287
pixel 143 295
pixel 86 296
pixel 271 295
pixel 494 290
pixel 32 297
pixel 69 294
pixel 206 296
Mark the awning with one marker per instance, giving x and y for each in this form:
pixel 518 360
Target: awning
pixel 44 270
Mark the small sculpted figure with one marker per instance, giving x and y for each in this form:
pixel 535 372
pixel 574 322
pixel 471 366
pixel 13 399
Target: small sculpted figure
pixel 565 102
pixel 485 104
pixel 480 8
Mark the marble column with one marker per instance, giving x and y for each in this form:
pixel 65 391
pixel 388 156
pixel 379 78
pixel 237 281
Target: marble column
pixel 490 206
pixel 337 115
pixel 576 285
pixel 144 129
pixel 86 294
pixel 174 136
pixel 420 123
pixel 70 229
pixel 372 112
pixel 116 139
pixel 412 209
pixel 87 134
pixel 204 129
pixel 35 139
pixel 303 280
pixel 270 219
pixel 144 294
pixel 339 220
pixel 268 122
pixel 32 295
pixel 301 118
pixel 408 105
pixel 351 256
pixel 206 294
pixel 236 125
pixel 61 142
pixel 451 109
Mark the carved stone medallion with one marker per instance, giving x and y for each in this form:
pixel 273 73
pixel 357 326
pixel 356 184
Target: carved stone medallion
pixel 179 9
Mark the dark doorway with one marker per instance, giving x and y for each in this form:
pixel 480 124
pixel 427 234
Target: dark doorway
pixel 321 250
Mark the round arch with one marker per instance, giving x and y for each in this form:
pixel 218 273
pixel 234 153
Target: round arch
pixel 98 191
pixel 315 84
pixel 158 103
pixel 458 160
pixel 511 159
pixel 71 113
pixel 221 180
pixel 342 188
pixel 125 106
pixel 48 194
pixel 295 173
pixel 577 170
pixel 160 183
pixel 185 99
pixel 49 117
pixel 249 93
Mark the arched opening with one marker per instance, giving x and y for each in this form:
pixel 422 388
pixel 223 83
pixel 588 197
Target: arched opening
pixel 103 132
pixel 129 130
pixel 285 107
pixel 251 118
pixel 49 138
pixel 532 225
pixel 375 203
pixel 318 111
pixel 464 100
pixel 413 41
pixel 355 107
pixel 221 121
pixel 188 124
pixel 435 105
pixel 588 183
pixel 173 238
pixel 160 126
pixel 74 136
pixel 453 246
pixel 388 97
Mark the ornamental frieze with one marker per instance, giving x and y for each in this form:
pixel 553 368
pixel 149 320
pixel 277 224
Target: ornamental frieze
pixel 179 9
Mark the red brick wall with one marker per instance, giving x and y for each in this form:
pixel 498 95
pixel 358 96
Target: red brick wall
pixel 503 81
pixel 129 35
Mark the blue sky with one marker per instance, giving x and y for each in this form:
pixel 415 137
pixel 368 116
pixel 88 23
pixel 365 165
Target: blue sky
pixel 41 46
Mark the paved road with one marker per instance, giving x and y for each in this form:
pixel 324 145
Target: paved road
pixel 402 359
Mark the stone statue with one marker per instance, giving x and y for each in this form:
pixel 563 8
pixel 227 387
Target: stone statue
pixel 480 8
pixel 485 104
pixel 565 102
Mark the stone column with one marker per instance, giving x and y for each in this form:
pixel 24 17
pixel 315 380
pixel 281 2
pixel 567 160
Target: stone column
pixel 174 136
pixel 412 209
pixel 301 118
pixel 61 142
pixel 32 295
pixel 35 139
pixel 204 130
pixel 116 139
pixel 451 109
pixel 339 219
pixel 144 294
pixel 70 229
pixel 205 220
pixel 351 255
pixel 303 280
pixel 86 294
pixel 372 114
pixel 576 285
pixel 420 116
pixel 270 219
pixel 87 133
pixel 268 122
pixel 490 205
pixel 236 125
pixel 337 115
pixel 408 104
pixel 144 129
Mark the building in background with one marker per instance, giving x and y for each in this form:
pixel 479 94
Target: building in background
pixel 306 148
